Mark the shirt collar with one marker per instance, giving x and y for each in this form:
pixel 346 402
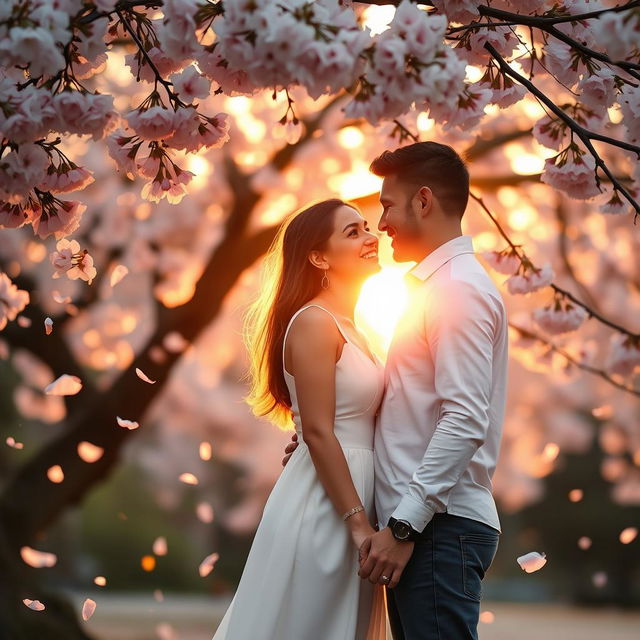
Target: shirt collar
pixel 445 252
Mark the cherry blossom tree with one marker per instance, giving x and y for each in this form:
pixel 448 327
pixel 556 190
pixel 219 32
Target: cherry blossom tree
pixel 187 130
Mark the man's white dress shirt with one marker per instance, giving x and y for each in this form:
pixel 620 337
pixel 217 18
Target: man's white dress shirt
pixel 440 423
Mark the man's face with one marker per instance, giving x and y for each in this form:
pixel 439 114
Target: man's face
pixel 399 218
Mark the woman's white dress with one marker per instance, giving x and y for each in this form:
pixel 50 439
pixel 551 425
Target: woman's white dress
pixel 300 581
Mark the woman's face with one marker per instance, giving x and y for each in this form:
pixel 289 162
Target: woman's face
pixel 352 250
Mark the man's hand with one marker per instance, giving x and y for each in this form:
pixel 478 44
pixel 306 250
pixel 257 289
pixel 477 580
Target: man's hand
pixel 382 555
pixel 290 448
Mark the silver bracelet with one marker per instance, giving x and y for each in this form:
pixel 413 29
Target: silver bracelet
pixel 352 512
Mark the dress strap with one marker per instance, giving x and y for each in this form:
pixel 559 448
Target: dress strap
pixel 296 314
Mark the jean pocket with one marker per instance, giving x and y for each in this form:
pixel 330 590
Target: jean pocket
pixel 478 551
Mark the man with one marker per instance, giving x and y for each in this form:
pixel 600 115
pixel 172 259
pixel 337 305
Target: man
pixel 440 423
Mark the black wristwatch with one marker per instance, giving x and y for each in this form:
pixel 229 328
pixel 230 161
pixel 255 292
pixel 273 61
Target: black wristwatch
pixel 402 530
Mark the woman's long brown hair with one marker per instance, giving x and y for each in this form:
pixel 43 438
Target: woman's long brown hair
pixel 289 280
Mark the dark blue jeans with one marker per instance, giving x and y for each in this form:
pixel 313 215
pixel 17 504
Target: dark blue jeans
pixel 438 596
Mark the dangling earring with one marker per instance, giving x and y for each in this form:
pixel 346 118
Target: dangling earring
pixel 324 283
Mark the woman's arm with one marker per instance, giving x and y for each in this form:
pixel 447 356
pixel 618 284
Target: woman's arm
pixel 313 345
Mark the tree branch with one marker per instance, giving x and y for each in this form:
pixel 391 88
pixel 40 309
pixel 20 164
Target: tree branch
pixel 583 134
pixel 581 365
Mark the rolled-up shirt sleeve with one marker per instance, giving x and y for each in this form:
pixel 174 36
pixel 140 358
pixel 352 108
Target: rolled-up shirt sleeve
pixel 460 329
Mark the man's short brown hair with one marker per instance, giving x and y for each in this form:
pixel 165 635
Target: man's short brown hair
pixel 432 165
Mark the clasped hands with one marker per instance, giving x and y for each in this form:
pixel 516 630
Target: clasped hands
pixel 379 553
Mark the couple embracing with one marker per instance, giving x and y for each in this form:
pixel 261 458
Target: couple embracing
pixel 384 510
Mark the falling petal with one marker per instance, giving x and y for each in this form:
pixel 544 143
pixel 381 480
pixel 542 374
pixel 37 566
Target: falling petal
pixel 101 581
pixel 148 563
pixel 603 412
pixel 13 443
pixel 65 385
pixel 599 579
pixel 88 609
pixel 24 322
pixel 205 450
pixel 487 617
pixel 188 478
pixel 55 474
pixel 35 605
pixel 60 299
pixel 158 596
pixel 127 424
pixel 575 495
pixel 165 631
pixel 143 376
pixel 628 535
pixel 118 273
pixel 38 559
pixel 584 542
pixel 532 561
pixel 160 546
pixel 90 452
pixel 204 511
pixel 207 565
pixel 48 325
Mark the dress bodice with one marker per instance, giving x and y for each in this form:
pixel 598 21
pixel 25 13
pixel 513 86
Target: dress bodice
pixel 359 391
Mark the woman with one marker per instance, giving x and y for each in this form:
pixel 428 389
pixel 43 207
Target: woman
pixel 310 364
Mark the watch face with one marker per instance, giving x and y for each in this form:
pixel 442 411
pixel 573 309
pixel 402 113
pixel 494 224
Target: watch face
pixel 401 530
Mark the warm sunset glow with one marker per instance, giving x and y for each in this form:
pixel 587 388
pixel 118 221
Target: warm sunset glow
pixel 382 301
pixel 359 182
pixel 350 137
pixel 378 17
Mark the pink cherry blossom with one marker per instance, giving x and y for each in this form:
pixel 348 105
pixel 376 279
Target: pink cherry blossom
pixel 62 257
pixel 576 178
pixel 66 178
pixel 12 300
pixel 560 317
pixel 61 219
pixel 459 10
pixel 506 262
pixel 624 355
pixel 189 85
pixel 13 216
pixel 530 280
pixel 82 268
pixel 630 106
pixel 550 132
pixel 597 90
pixel 154 123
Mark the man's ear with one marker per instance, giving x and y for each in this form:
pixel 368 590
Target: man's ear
pixel 424 196
pixel 317 259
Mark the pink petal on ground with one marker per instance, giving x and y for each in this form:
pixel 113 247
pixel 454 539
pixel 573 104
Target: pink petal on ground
pixel 48 325
pixel 127 424
pixel 101 581
pixel 207 565
pixel 34 605
pixel 188 478
pixel 90 452
pixel 38 559
pixel 11 441
pixel 160 546
pixel 205 450
pixel 143 376
pixel 532 561
pixel 88 609
pixel 117 274
pixel 65 385
pixel 55 474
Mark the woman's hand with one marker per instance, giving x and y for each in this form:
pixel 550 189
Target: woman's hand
pixel 290 448
pixel 360 529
